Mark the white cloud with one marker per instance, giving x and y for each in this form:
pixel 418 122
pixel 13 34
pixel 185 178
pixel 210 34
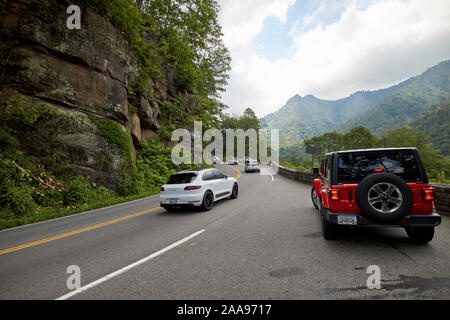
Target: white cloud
pixel 243 19
pixel 389 41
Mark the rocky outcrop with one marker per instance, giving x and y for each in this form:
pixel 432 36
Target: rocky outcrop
pixel 83 74
pixel 87 69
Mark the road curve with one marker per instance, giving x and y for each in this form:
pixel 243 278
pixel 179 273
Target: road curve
pixel 266 244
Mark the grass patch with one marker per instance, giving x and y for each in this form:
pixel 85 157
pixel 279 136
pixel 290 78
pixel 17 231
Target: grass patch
pixel 9 220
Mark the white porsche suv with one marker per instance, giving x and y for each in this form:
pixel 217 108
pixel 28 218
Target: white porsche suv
pixel 197 189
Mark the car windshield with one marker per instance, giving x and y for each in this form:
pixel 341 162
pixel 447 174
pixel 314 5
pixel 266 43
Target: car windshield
pixel 353 167
pixel 181 178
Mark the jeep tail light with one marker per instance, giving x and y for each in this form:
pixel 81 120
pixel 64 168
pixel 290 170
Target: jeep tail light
pixel 161 189
pixel 428 194
pixel 192 187
pixel 378 170
pixel 335 194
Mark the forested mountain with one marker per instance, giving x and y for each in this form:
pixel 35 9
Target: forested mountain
pixel 422 93
pixel 304 117
pixel 436 124
pixel 385 109
pixel 408 103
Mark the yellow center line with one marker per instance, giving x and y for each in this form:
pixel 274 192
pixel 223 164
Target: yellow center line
pixel 103 224
pixel 71 233
pixel 238 172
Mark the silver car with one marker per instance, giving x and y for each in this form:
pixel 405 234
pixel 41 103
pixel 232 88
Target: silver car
pixel 252 165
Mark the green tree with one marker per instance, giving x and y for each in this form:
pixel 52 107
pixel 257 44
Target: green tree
pixel 248 120
pixel 359 138
pixel 191 35
pixel 330 141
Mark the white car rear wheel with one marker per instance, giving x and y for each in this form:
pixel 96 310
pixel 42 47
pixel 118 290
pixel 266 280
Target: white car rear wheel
pixel 208 201
pixel 234 191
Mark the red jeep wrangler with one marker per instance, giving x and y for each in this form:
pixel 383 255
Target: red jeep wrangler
pixel 387 187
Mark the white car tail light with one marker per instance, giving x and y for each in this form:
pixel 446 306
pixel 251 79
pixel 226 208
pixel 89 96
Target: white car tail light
pixel 192 187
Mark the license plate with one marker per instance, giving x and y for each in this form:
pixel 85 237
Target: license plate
pixel 173 201
pixel 347 220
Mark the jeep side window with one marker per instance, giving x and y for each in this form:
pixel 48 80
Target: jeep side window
pixel 322 166
pixel 327 168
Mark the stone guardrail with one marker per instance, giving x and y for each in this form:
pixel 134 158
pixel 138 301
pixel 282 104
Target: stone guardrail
pixel 442 201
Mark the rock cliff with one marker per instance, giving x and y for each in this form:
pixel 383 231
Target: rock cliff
pixel 73 89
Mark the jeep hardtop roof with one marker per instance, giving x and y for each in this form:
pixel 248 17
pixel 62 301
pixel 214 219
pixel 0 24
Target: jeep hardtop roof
pixel 371 150
pixel 420 174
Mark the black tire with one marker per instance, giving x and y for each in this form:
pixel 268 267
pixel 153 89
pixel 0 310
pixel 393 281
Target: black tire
pixel 401 193
pixel 420 234
pixel 329 231
pixel 234 191
pixel 208 201
pixel 314 198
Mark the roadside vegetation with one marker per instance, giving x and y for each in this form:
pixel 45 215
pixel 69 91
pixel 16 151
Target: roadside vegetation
pixel 33 189
pixel 180 33
pixel 164 34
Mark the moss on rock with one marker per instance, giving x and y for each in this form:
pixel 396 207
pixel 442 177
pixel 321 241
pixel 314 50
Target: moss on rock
pixel 115 133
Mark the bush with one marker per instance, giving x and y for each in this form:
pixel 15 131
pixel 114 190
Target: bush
pixel 77 191
pixel 18 199
pixel 50 198
pixel 7 142
pixel 128 186
pixel 155 164
pixel 102 192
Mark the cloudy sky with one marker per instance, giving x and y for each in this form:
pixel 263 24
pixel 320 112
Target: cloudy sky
pixel 328 48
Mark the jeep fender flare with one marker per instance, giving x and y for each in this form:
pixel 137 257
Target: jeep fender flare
pixel 317 186
pixel 324 197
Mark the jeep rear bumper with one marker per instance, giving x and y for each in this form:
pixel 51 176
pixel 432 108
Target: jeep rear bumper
pixel 412 220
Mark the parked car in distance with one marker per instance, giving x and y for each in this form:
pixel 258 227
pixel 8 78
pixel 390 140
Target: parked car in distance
pixel 197 189
pixel 216 160
pixel 252 165
pixel 233 161
pixel 381 187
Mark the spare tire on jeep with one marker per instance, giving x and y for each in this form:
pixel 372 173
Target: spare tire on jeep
pixel 384 197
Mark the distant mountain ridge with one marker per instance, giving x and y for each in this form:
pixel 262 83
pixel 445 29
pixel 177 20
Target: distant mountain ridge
pixel 422 94
pixel 436 124
pixel 380 110
pixel 305 117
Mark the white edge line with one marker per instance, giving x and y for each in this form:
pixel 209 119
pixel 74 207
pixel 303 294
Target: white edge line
pixel 266 172
pixel 77 214
pixel 129 267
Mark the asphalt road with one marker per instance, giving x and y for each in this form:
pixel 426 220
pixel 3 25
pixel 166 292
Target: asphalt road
pixel 267 244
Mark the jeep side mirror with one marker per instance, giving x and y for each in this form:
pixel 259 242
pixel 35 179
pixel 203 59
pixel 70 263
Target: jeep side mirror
pixel 316 171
